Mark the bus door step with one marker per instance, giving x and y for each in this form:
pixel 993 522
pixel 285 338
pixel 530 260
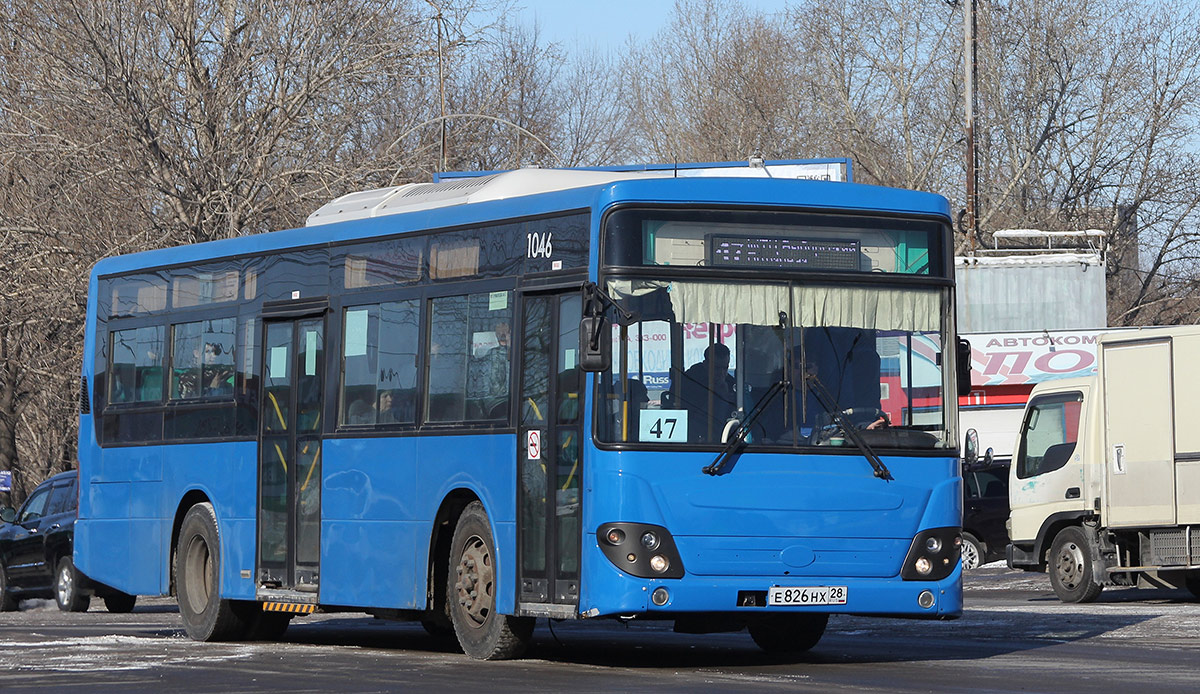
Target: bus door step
pixel 289 607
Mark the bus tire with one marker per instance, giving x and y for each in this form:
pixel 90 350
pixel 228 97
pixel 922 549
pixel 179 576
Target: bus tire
pixel 788 634
pixel 68 588
pixel 483 633
pixel 206 616
pixel 1070 566
pixel 262 625
pixel 119 603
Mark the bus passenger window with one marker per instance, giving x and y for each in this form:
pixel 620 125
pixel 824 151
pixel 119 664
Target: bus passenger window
pixel 469 360
pixel 447 360
pixel 202 359
pixel 136 365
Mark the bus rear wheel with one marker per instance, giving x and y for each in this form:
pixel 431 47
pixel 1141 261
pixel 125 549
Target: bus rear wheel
pixel 788 633
pixel 206 616
pixel 483 633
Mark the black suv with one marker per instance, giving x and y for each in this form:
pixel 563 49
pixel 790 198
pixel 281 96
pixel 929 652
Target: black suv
pixel 35 552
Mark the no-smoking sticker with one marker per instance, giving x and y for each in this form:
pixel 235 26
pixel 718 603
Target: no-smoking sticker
pixel 533 444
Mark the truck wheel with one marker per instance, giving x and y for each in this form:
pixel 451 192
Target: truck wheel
pixel 1191 581
pixel 206 617
pixel 8 603
pixel 1070 566
pixel 483 633
pixel 973 552
pixel 788 633
pixel 68 588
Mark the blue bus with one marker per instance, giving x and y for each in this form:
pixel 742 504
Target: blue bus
pixel 724 398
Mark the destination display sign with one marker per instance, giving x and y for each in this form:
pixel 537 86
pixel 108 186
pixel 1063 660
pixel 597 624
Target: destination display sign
pixel 782 252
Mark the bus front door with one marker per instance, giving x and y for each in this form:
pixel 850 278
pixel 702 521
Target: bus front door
pixel 289 455
pixel 549 456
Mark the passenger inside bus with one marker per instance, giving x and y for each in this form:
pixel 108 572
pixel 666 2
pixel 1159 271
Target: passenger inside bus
pixel 706 391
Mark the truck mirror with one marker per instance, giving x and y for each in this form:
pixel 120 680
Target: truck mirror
pixel 963 364
pixel 595 344
pixel 971 447
pixel 8 514
pixel 987 456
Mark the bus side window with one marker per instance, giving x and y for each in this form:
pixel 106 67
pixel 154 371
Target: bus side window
pixel 136 374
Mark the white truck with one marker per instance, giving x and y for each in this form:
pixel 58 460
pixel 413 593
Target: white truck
pixel 1104 487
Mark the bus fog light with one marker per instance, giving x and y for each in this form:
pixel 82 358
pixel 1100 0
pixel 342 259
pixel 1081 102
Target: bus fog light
pixel 924 566
pixel 650 541
pixel 933 544
pixel 660 596
pixel 925 599
pixel 659 563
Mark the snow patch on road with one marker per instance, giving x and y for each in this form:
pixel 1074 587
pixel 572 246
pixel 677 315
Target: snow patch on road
pixel 111 652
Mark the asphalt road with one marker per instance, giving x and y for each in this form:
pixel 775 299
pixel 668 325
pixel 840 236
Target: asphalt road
pixel 1014 636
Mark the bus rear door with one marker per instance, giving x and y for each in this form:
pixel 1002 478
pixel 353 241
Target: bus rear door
pixel 289 480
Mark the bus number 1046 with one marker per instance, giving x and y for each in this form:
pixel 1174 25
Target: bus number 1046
pixel 539 245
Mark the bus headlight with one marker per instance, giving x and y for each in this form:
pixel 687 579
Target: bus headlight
pixel 932 555
pixel 640 549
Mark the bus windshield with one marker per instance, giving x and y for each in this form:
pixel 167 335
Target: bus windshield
pixel 703 355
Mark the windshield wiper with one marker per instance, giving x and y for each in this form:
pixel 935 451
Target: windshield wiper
pixel 851 431
pixel 743 428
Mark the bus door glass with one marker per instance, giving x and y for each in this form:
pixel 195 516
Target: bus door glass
pixel 549 458
pixel 289 500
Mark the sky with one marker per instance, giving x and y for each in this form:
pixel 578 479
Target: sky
pixel 608 23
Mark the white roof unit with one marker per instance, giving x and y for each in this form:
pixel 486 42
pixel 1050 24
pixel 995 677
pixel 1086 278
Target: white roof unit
pixel 459 191
pixel 509 184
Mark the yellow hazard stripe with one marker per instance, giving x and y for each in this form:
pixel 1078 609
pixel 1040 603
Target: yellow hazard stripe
pixel 289 607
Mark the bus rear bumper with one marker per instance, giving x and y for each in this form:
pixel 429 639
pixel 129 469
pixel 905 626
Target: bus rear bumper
pixel 623 595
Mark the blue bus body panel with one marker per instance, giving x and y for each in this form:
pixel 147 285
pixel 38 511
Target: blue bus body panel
pixel 771 519
pixel 380 499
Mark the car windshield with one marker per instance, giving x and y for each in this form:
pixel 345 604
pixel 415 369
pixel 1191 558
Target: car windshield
pixel 811 359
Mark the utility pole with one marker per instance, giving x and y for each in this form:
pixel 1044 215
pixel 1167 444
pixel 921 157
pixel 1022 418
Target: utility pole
pixel 969 74
pixel 441 84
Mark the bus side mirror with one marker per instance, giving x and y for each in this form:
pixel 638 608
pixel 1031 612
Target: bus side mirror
pixel 595 344
pixel 971 447
pixel 988 457
pixel 963 364
pixel 8 514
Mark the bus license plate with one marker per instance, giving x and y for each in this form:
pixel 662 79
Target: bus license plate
pixel 807 595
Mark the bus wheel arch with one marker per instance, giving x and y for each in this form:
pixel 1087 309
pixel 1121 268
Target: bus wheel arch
pixel 190 499
pixel 437 622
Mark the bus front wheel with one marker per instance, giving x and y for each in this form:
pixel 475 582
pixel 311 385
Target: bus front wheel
pixel 206 617
pixel 788 633
pixel 483 633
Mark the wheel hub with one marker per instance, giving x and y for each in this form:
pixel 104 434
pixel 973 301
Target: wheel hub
pixel 476 581
pixel 1068 566
pixel 65 585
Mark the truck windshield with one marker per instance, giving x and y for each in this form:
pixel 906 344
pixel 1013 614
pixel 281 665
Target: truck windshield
pixel 703 353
